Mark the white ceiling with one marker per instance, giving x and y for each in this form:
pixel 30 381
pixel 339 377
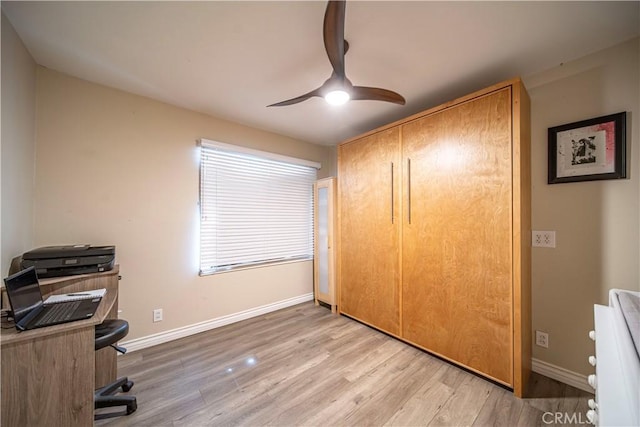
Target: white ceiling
pixel 231 59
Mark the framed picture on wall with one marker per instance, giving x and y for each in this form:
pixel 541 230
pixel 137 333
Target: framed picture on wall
pixel 589 150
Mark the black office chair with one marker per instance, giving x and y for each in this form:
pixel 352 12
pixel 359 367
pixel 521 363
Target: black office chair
pixel 108 333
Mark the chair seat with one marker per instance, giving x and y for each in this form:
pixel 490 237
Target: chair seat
pixel 110 331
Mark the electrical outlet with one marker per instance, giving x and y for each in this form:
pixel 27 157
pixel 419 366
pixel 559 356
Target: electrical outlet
pixel 543 239
pixel 542 339
pixel 157 315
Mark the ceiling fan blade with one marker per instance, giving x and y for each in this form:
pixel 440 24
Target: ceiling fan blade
pixel 333 32
pixel 315 92
pixel 376 94
pixel 336 47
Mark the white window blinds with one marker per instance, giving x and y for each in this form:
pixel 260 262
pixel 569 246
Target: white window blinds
pixel 255 208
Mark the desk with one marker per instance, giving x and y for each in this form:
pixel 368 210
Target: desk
pixel 49 374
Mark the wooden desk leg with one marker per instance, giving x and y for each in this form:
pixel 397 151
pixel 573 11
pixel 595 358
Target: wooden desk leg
pixel 49 380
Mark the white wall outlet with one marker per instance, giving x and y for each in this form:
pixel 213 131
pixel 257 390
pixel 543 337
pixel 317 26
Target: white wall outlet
pixel 542 339
pixel 543 239
pixel 157 315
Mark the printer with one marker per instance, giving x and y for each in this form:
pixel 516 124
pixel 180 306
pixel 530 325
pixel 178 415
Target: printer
pixel 54 261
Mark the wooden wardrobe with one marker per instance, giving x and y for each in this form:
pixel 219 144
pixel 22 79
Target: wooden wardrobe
pixel 434 231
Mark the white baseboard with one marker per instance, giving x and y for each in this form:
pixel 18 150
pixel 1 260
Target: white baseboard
pixel 185 331
pixel 561 374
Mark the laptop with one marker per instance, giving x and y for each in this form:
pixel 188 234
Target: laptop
pixel 29 310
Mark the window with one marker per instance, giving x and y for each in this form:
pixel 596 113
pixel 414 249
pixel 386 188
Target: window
pixel 255 207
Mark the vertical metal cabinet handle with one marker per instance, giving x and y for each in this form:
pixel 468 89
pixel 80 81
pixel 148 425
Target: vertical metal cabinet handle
pixel 391 192
pixel 409 188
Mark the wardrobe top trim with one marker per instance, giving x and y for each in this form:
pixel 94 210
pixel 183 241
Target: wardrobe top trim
pixel 457 101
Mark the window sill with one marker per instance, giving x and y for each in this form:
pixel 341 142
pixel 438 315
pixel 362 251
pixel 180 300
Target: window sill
pixel 253 266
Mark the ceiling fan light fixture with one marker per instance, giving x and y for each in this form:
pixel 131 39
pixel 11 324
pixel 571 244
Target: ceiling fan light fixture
pixel 337 89
pixel 337 97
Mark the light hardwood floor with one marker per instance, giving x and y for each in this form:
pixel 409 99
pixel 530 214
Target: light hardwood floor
pixel 303 366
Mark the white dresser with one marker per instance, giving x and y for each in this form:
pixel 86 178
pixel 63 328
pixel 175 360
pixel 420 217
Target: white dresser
pixel 617 361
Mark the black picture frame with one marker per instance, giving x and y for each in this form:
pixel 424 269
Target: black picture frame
pixel 589 150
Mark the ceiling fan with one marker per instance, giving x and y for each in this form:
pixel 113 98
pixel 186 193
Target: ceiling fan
pixel 338 89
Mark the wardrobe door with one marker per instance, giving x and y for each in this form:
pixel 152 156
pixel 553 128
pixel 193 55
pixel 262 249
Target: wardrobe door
pixel 457 234
pixel 368 174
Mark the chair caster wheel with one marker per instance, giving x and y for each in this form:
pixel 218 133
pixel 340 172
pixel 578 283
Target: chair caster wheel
pixel 131 408
pixel 127 386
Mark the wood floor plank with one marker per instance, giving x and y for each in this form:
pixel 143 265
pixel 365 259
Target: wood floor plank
pixel 298 388
pixel 363 394
pixel 384 402
pixel 303 366
pixel 530 417
pixel 334 384
pixel 500 409
pixel 464 405
pixel 426 402
pixel 389 348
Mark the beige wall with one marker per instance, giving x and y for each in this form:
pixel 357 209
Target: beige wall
pixel 597 223
pixel 17 146
pixel 116 168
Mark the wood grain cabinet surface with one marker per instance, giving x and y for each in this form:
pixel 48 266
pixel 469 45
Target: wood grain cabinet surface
pixel 369 211
pixel 434 229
